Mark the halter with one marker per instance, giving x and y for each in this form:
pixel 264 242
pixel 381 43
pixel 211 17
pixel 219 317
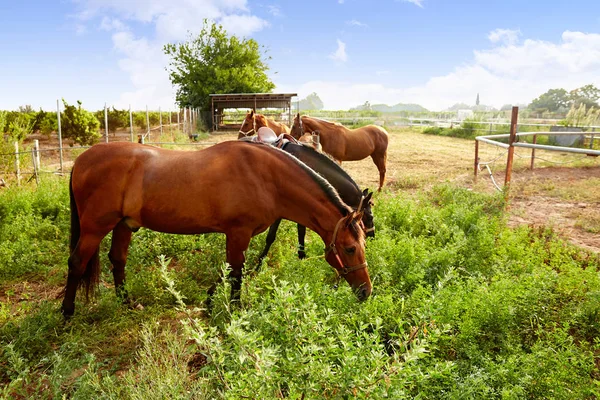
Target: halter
pixel 362 199
pixel 345 269
pixel 248 133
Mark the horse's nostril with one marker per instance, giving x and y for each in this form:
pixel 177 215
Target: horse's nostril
pixel 362 294
pixel 371 234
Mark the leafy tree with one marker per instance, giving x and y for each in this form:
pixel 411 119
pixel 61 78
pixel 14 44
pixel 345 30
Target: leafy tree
pixel 311 102
pixel 582 116
pixel 587 95
pixel 553 100
pixel 20 127
pixel 117 119
pixel 27 109
pixel 214 62
pixel 48 124
pixel 79 124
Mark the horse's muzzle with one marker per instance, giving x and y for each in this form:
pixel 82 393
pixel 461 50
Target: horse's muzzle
pixel 363 293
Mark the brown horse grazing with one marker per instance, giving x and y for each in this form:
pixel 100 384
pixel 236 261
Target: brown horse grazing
pixel 345 144
pixel 254 121
pixel 121 187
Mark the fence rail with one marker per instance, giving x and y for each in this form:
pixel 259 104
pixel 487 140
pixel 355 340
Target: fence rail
pixel 513 142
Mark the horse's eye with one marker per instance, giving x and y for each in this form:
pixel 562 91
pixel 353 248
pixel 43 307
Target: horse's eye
pixel 350 250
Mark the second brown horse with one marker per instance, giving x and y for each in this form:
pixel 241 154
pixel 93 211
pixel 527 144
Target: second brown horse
pixel 345 144
pixel 121 187
pixel 254 121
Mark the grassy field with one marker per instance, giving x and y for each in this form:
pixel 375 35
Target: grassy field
pixel 467 302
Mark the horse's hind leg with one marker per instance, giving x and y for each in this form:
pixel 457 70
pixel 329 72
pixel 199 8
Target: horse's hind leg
pixel 270 239
pixel 380 161
pixel 118 257
pixel 237 244
pixel 83 264
pixel 301 237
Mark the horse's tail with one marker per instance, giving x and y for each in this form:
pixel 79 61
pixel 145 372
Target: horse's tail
pixel 91 275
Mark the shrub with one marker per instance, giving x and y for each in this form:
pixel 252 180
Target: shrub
pixel 80 125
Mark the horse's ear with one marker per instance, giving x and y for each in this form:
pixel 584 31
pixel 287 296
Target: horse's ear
pixel 365 192
pixel 368 198
pixel 298 115
pixel 252 113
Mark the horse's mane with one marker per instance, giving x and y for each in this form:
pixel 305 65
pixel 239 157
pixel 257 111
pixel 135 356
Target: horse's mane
pixel 324 121
pixel 329 190
pixel 327 159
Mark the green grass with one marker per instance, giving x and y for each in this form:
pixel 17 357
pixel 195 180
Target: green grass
pixel 463 307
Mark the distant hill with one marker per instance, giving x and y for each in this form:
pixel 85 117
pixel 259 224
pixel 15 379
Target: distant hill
pixel 396 108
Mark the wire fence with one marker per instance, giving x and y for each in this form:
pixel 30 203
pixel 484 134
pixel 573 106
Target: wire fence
pixel 50 154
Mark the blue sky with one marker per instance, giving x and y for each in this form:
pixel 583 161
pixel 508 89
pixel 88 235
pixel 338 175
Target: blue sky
pixel 432 52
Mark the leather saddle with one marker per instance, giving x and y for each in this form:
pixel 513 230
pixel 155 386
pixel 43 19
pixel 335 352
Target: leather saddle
pixel 268 136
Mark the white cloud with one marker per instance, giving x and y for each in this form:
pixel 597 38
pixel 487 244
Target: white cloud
pixel 80 29
pixel 509 36
pixel 354 22
pixel 505 74
pixel 415 2
pixel 112 24
pixel 340 53
pixel 142 57
pixel 340 1
pixel 274 10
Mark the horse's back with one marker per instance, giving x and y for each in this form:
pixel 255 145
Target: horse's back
pixel 173 191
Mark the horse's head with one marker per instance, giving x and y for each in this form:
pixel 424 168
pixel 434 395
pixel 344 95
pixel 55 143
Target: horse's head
pixel 260 121
pixel 346 254
pixel 297 129
pixel 367 218
pixel 248 127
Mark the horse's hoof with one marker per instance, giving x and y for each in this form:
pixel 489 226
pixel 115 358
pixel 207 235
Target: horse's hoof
pixel 67 312
pixel 301 255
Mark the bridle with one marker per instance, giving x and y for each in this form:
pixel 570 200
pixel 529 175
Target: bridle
pixel 346 269
pixel 248 133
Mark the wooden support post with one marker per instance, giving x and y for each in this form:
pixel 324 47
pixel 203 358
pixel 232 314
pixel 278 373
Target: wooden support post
pixel 533 152
pixel 511 149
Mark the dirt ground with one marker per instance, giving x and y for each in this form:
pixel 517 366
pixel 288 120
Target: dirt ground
pixel 562 192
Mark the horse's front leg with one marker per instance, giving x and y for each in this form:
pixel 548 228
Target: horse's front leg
pixel 270 239
pixel 301 236
pixel 237 244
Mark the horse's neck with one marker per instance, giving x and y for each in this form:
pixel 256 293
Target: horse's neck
pixel 347 189
pixel 324 127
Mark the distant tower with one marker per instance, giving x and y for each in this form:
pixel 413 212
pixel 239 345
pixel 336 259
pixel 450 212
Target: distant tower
pixel 477 100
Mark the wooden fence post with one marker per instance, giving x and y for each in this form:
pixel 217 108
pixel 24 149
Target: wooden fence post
pixel 36 146
pixel 60 147
pixel 130 124
pixel 476 159
pixel 35 166
pixel 511 148
pixel 105 123
pixel 533 152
